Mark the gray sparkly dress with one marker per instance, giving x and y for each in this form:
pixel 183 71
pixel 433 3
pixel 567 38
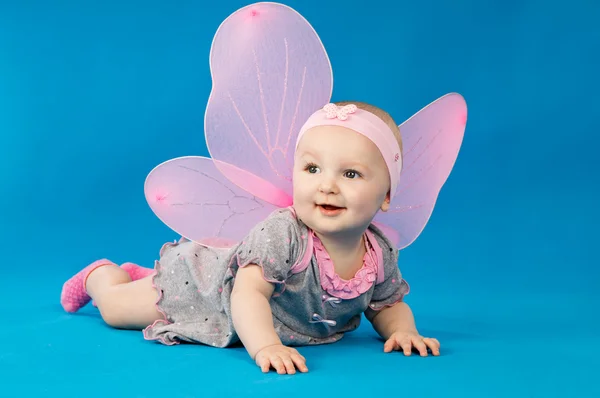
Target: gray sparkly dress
pixel 311 304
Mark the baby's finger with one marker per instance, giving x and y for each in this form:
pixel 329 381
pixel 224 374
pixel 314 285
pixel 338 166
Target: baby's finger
pixel 264 364
pixel 289 365
pixel 295 352
pixel 390 345
pixel 406 345
pixel 433 345
pixel 278 365
pixel 300 355
pixel 420 346
pixel 300 362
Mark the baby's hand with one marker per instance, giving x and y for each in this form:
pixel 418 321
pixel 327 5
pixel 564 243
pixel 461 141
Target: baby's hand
pixel 281 358
pixel 407 340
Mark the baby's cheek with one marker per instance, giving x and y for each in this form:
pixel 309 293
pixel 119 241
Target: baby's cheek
pixel 367 203
pixel 302 190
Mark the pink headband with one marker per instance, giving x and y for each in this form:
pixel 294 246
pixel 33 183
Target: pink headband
pixel 367 124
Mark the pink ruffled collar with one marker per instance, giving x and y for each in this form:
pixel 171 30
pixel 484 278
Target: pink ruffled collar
pixel 362 281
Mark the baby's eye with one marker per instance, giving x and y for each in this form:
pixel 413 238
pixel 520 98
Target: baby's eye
pixel 352 174
pixel 312 169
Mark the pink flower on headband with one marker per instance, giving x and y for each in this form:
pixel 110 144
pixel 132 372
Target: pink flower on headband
pixel 341 112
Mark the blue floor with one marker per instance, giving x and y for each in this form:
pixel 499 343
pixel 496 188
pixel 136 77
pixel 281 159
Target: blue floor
pixel 503 333
pixel 491 346
pixel 505 274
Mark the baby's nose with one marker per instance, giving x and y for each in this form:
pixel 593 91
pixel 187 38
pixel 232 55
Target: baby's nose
pixel 328 186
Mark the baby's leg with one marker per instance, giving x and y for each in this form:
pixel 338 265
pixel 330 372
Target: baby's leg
pixel 135 272
pixel 123 304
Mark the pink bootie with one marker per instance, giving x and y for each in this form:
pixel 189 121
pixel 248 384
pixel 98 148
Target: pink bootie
pixel 74 295
pixel 136 271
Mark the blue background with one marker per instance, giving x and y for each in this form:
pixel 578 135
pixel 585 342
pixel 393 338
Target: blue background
pixel 93 95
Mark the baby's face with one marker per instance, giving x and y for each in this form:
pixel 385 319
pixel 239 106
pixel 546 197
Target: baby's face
pixel 341 168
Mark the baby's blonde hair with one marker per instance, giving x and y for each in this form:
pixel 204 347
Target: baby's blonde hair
pixel 380 113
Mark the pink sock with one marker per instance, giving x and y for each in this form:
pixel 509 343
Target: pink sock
pixel 73 295
pixel 137 272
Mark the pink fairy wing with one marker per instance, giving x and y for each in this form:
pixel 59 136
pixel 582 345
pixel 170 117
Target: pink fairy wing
pixel 431 140
pixel 193 198
pixel 270 72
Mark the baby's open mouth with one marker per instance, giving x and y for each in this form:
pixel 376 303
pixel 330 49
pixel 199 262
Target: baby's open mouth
pixel 330 207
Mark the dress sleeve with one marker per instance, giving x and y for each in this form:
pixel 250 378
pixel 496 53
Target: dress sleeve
pixel 272 245
pixel 393 287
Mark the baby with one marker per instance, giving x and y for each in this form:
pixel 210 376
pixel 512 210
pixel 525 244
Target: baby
pixel 302 276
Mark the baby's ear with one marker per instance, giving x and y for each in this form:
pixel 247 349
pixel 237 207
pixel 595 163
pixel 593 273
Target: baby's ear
pixel 385 206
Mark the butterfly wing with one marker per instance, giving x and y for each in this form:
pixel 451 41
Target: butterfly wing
pixel 270 72
pixel 431 141
pixel 193 198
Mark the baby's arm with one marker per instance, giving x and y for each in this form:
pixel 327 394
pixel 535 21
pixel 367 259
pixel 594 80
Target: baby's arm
pixel 253 322
pixel 398 317
pixel 251 312
pixel 391 317
pixel 396 324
